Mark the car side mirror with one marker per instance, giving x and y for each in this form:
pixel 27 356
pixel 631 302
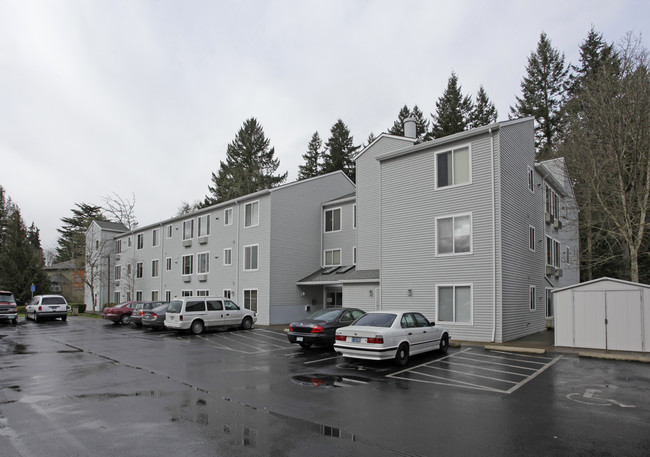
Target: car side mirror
pixel 433 324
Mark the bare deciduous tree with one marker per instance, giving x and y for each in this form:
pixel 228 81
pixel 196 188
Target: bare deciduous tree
pixel 122 210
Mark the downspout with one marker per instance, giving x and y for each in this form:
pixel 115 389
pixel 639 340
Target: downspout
pixel 237 249
pixel 162 263
pixel 494 243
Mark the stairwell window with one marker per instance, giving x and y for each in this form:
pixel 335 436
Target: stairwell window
pixel 252 214
pixel 332 257
pixel 333 220
pixel 454 235
pixel 251 257
pixel 453 167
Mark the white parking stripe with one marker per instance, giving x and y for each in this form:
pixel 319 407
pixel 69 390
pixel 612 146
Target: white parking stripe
pixel 467 374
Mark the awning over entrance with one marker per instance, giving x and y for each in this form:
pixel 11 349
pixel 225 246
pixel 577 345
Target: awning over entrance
pixel 339 275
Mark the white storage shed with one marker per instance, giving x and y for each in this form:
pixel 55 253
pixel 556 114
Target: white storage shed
pixel 604 313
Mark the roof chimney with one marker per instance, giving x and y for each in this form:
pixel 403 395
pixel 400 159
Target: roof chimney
pixel 409 127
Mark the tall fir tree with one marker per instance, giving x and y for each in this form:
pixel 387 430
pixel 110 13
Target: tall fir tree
pixel 340 150
pixel 543 95
pixel 595 54
pixel 421 124
pixel 484 111
pixel 250 166
pixel 398 125
pixel 71 244
pixel 453 110
pixel 312 158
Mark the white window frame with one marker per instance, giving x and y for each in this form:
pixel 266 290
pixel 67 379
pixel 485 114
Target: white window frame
pixel 471 303
pixel 340 221
pixel 184 264
pixel 129 242
pixel 170 231
pixel 531 238
pixel 188 226
pixel 227 216
pixel 248 262
pixel 118 246
pixel 227 293
pixel 155 271
pixel 555 249
pixel 254 214
pixel 354 216
pixel 139 270
pixel 187 293
pixel 332 252
pixel 139 241
pixel 154 295
pixel 206 255
pixel 202 292
pixel 117 272
pixel 471 234
pixel 203 223
pixel 155 237
pixel 531 180
pixel 249 298
pixel 138 295
pixel 168 264
pixel 549 295
pixel 354 255
pixel 532 298
pixel 227 257
pixel 168 295
pixel 469 164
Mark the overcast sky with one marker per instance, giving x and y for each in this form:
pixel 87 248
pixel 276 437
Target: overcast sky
pixel 142 97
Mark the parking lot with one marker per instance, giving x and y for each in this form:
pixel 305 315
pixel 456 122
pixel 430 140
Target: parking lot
pixel 94 388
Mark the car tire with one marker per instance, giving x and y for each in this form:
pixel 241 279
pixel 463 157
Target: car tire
pixel 14 321
pixel 64 318
pixel 444 344
pixel 125 319
pixel 402 355
pixel 304 345
pixel 138 325
pixel 247 323
pixel 197 327
pixel 35 317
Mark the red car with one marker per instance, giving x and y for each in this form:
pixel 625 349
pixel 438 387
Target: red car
pixel 8 307
pixel 120 314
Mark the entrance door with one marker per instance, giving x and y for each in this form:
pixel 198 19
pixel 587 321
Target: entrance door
pixel 333 298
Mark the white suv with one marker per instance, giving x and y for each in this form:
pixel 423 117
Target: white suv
pixel 197 313
pixel 47 306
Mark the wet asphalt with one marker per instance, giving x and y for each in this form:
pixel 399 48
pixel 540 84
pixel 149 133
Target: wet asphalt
pixel 86 387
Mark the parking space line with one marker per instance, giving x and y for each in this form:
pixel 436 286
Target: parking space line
pixel 242 335
pixel 486 369
pixel 462 384
pixel 498 364
pixel 321 360
pixel 468 374
pixel 272 333
pixel 540 371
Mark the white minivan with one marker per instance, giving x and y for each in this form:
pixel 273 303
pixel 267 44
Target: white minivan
pixel 197 313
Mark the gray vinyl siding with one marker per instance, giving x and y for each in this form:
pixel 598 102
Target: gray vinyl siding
pixel 368 204
pixel 358 296
pixel 343 239
pixel 410 205
pixel 520 209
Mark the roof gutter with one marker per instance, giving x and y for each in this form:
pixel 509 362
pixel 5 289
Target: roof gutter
pixel 494 241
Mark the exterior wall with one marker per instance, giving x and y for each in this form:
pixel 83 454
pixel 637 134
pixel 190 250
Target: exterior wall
pixel 368 203
pixel 410 268
pixel 99 265
pixel 344 239
pixel 357 295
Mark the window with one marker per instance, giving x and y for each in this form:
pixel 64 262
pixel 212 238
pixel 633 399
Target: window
pixel 202 293
pixel 552 203
pixel 170 231
pixel 354 216
pixel 204 225
pixel 96 244
pixel 203 263
pixel 140 241
pixel 251 214
pixel 118 246
pixel 154 295
pixel 532 301
pixel 227 293
pixel 332 257
pixel 354 255
pixel 128 242
pixel 188 264
pixel 155 237
pixel 138 270
pixel 455 303
pixel 552 252
pixel 138 295
pixel 118 272
pixel 227 216
pixel 116 296
pixel 168 295
pixel 250 257
pixel 129 270
pixel 549 302
pixel 531 180
pixel 168 264
pixel 531 238
pixel 186 293
pixel 188 230
pixel 453 167
pixel 567 254
pixel 227 256
pixel 454 235
pixel 155 264
pixel 250 299
pixel 333 220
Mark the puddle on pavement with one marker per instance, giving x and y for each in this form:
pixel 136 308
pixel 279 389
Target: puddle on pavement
pixel 113 395
pixel 328 381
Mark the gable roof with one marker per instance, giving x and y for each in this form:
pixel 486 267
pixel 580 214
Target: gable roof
pixel 111 226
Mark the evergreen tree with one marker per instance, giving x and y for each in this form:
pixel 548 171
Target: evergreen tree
pixel 340 150
pixel 370 139
pixel 452 110
pixel 398 125
pixel 543 95
pixel 312 158
pixel 72 239
pixel 249 167
pixel 484 112
pixel 421 124
pixel 595 54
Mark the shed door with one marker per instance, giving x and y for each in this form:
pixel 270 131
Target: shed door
pixel 589 320
pixel 624 320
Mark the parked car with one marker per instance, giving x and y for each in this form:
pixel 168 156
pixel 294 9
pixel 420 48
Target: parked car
pixel 8 307
pixel 197 313
pixel 320 327
pixel 120 314
pixel 383 335
pixel 48 307
pixel 140 308
pixel 155 318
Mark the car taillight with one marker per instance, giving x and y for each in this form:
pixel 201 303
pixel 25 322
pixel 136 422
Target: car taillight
pixel 153 316
pixel 290 328
pixel 340 338
pixel 180 317
pixel 317 329
pixel 40 308
pixel 376 340
pixel 141 313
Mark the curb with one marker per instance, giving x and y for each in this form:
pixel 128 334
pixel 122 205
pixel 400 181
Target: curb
pixel 492 347
pixel 621 357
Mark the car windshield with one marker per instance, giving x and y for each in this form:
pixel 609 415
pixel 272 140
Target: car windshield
pixel 9 298
pixel 161 308
pixel 376 320
pixel 175 306
pixel 54 301
pixel 325 314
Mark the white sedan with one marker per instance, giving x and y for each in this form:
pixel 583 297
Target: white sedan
pixel 384 335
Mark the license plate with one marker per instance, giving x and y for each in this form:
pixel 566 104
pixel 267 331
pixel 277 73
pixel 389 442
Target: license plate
pixel 54 307
pixel 299 338
pixel 356 340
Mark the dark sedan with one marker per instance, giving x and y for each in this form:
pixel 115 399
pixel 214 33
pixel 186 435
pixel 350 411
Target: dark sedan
pixel 139 310
pixel 119 314
pixel 320 327
pixel 155 318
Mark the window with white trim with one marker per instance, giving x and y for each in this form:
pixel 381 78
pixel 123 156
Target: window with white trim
pixel 168 264
pixel 155 237
pixel 155 264
pixel 138 270
pixel 203 263
pixel 252 214
pixel 552 202
pixel 251 257
pixel 455 303
pixel 552 252
pixel 227 216
pixel 188 229
pixel 204 225
pixel 140 241
pixel 118 246
pixel 332 220
pixel 129 243
pixel 549 302
pixel 186 293
pixel 138 295
pixel 250 299
pixel 453 167
pixel 531 180
pixel 129 270
pixel 116 297
pixel 454 235
pixel 170 231
pixel 532 299
pixel 168 295
pixel 154 295
pixel 227 293
pixel 203 293
pixel 118 272
pixel 354 216
pixel 531 238
pixel 332 257
pixel 188 265
pixel 354 255
pixel 227 257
